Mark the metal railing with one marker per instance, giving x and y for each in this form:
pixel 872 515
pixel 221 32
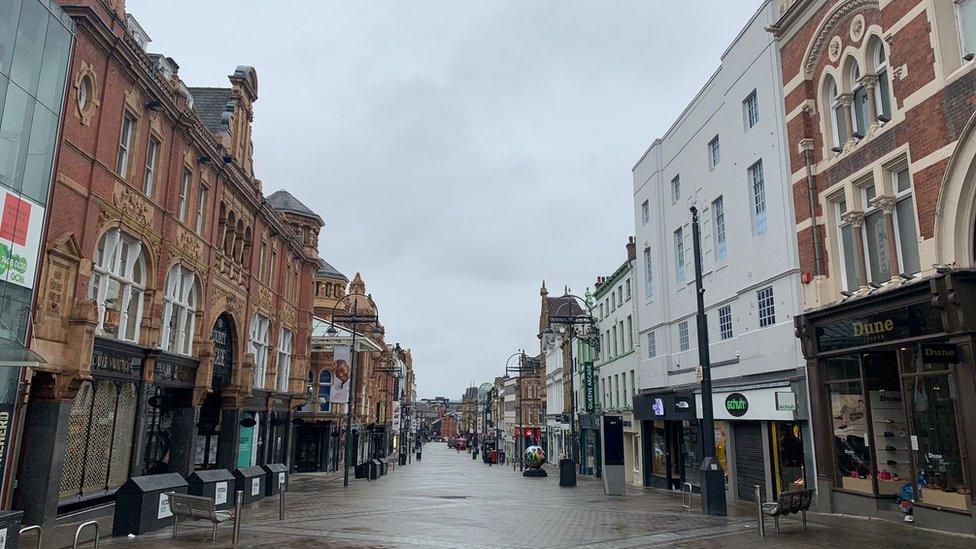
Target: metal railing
pixel 81 527
pixel 40 533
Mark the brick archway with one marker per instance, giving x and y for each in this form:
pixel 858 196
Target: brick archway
pixel 955 214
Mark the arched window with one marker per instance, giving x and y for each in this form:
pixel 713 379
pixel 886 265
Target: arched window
pixel 179 311
pixel 229 234
pixel 117 284
pixel 859 104
pixel 882 91
pixel 325 390
pixel 260 325
pixel 838 122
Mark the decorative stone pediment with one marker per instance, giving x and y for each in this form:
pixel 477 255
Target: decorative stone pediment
pixel 132 205
pixel 828 28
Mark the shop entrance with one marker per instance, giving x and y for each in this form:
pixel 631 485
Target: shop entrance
pixel 208 428
pixel 750 468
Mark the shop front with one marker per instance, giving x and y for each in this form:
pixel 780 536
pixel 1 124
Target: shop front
pixel 590 460
pixel 170 418
pixel 762 435
pixel 670 438
pixel 894 398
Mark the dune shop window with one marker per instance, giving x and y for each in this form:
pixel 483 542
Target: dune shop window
pixel 848 413
pixel 934 436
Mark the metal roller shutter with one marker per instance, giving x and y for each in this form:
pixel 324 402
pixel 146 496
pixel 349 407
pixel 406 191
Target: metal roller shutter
pixel 750 467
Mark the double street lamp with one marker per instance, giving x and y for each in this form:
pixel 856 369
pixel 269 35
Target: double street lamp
pixel 353 319
pixel 568 323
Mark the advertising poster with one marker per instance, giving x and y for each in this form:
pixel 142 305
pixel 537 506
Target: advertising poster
pixel 21 222
pixel 396 416
pixel 341 373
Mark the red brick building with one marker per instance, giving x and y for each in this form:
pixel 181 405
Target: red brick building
pixel 879 102
pixel 175 298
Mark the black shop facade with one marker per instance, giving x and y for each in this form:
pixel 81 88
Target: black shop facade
pixel 893 401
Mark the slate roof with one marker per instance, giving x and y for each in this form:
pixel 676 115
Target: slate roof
pixel 284 201
pixel 210 104
pixel 325 269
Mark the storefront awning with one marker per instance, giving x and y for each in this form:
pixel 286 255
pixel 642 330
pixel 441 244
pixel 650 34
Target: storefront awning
pixel 14 354
pixel 323 341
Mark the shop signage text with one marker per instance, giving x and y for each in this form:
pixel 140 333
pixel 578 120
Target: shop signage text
pixel 178 373
pixel 786 401
pixel 658 407
pixel 589 390
pixel 736 404
pixel 938 353
pixel 105 362
pixel 899 323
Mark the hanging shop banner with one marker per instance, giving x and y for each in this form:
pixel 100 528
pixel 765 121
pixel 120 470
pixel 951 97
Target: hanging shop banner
pixel 396 416
pixel 589 388
pixel 21 222
pixel 341 374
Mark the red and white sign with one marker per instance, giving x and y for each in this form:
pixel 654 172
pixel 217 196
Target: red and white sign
pixel 21 223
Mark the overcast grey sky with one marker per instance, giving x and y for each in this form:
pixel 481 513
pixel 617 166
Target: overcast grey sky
pixel 460 152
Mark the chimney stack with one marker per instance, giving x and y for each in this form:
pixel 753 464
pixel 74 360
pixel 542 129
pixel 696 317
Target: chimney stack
pixel 631 249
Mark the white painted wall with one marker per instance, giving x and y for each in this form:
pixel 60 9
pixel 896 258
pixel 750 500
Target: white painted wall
pixel 753 260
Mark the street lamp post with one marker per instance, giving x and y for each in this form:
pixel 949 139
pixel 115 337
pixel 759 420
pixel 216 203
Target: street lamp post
pixel 518 404
pixel 567 324
pixel 353 321
pixel 712 475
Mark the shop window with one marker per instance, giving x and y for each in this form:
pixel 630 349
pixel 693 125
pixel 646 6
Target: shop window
pixel 179 311
pixel 99 439
pixel 887 417
pixel 325 390
pixel 850 433
pixel 722 445
pixel 934 435
pixel 285 340
pixel 260 326
pixel 658 449
pixel 691 451
pixel 786 445
pixel 117 285
pixel 159 432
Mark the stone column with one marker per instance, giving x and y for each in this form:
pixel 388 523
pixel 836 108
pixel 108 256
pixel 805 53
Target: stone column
pixel 870 81
pixel 856 219
pixel 887 204
pixel 845 100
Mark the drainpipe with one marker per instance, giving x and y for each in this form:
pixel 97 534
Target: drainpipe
pixel 807 146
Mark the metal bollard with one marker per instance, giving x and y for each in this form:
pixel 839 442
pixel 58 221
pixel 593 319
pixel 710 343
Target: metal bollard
pixel 281 503
pixel 759 513
pixel 82 527
pixel 40 533
pixel 238 514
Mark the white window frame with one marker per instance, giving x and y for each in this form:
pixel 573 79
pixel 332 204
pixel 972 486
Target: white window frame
pixel 648 273
pixel 751 108
pixel 184 189
pixel 645 212
pixel 718 219
pixel 152 159
pixel 857 88
pixel 679 254
pixel 258 343
pixel 757 190
pixel 836 110
pixel 126 139
pixel 725 322
pixel 684 340
pixel 116 262
pixel 285 340
pixel 714 153
pixel 964 10
pixel 179 311
pixel 881 69
pixel 201 208
pixel 651 345
pixel 766 303
pixel 675 189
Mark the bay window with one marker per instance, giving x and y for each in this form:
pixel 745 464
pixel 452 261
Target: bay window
pixel 260 325
pixel 117 285
pixel 179 311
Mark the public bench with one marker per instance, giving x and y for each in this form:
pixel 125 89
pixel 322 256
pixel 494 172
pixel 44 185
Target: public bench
pixel 790 502
pixel 197 508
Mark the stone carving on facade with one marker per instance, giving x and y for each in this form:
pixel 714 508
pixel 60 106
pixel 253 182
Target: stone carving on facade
pixel 827 28
pixel 86 93
pixel 189 244
pixel 132 205
pixel 833 52
pixel 857 28
pixel 57 289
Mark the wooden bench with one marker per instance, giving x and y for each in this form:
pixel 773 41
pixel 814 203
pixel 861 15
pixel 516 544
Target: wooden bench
pixel 790 502
pixel 197 508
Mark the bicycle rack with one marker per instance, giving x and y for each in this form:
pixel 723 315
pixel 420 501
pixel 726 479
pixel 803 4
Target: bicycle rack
pixel 82 527
pixel 40 533
pixel 686 488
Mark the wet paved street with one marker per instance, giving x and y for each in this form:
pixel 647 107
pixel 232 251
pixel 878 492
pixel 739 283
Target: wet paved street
pixel 450 500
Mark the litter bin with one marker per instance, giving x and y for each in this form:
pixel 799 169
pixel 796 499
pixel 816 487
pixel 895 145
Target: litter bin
pixel 403 459
pixel 567 472
pixel 216 484
pixel 141 504
pixel 374 469
pixel 250 480
pixel 275 478
pixel 10 528
pixel 362 470
pixel 382 466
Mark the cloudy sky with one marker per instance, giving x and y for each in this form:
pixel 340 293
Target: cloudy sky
pixel 460 152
